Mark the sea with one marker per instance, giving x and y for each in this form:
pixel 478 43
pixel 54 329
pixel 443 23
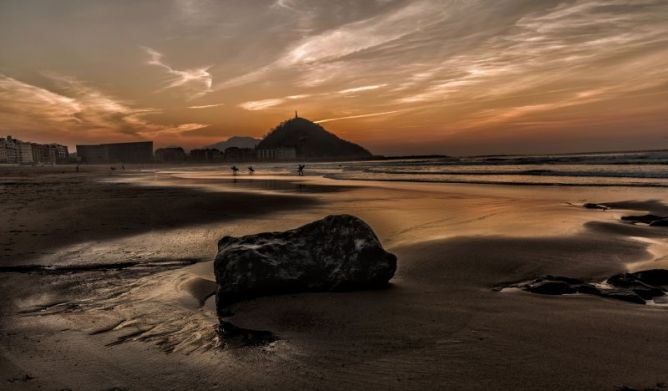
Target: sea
pixel 641 169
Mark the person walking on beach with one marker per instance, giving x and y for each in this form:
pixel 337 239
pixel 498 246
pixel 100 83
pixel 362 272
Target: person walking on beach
pixel 234 170
pixel 251 170
pixel 300 169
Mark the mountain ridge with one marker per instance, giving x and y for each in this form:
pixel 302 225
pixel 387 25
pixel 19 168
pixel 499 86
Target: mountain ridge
pixel 311 141
pixel 236 141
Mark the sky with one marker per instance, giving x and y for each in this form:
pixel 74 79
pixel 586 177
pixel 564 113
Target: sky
pixel 457 77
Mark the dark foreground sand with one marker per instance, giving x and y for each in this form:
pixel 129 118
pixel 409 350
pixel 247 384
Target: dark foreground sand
pixel 138 315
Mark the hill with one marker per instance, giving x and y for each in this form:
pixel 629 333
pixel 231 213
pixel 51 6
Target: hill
pixel 236 141
pixel 311 141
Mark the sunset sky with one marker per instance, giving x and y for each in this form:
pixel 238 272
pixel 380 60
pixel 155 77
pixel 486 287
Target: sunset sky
pixel 399 77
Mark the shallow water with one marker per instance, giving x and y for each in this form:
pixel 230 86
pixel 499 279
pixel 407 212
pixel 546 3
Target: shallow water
pixel 441 322
pixel 631 169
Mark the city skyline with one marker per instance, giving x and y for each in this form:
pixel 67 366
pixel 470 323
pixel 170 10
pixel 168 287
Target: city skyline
pixel 399 77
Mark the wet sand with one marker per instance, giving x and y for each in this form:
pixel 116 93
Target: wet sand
pixel 140 314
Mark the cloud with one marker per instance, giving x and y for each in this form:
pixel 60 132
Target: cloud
pixel 284 4
pixel 206 106
pixel 196 81
pixel 548 58
pixel 21 101
pixel 351 38
pixel 358 116
pixel 455 67
pixel 261 104
pixel 361 89
pixel 77 109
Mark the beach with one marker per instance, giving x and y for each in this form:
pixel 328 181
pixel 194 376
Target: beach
pixel 108 282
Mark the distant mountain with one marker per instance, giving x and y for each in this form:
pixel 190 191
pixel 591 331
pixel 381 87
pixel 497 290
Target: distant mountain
pixel 236 141
pixel 311 141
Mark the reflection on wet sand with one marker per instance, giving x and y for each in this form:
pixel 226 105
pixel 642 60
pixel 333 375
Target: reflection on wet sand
pixel 441 321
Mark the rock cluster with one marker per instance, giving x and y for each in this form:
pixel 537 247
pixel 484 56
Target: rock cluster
pixel 650 219
pixel 635 287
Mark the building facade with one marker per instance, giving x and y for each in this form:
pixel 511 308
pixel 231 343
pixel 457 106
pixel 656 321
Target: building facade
pixel 236 154
pixel 24 152
pixel 43 153
pixel 3 152
pixel 277 154
pixel 137 152
pixel 15 151
pixel 206 155
pixel 62 153
pixel 8 151
pixel 170 155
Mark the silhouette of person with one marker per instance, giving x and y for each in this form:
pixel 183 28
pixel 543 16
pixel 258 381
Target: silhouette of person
pixel 251 170
pixel 234 170
pixel 300 169
pixel 77 168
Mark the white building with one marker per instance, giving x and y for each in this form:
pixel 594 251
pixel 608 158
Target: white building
pixel 8 150
pixel 3 152
pixel 25 155
pixel 15 151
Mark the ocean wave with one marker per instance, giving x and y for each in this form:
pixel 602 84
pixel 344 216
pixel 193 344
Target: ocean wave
pixel 464 180
pixel 534 172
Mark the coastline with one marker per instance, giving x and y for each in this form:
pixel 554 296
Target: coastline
pixel 441 324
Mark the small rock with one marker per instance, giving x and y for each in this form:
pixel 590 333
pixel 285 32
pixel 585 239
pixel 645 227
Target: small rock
pixel 551 288
pixel 659 223
pixel 630 281
pixel 622 294
pixel 645 219
pixel 590 205
pixel 654 277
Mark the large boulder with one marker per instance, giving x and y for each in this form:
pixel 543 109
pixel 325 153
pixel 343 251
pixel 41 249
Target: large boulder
pixel 336 253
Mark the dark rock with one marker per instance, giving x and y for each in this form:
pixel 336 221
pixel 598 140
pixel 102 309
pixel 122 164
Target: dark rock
pixel 645 219
pixel 654 277
pixel 552 285
pixel 631 282
pixel 335 253
pixel 236 337
pixel 659 223
pixel 547 287
pixel 590 205
pixel 631 287
pixel 622 294
pixel 589 289
pixel 647 292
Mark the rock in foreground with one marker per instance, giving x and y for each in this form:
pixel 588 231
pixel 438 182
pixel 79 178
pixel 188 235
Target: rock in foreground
pixel 336 253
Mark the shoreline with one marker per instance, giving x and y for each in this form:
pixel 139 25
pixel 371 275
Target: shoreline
pixel 440 324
